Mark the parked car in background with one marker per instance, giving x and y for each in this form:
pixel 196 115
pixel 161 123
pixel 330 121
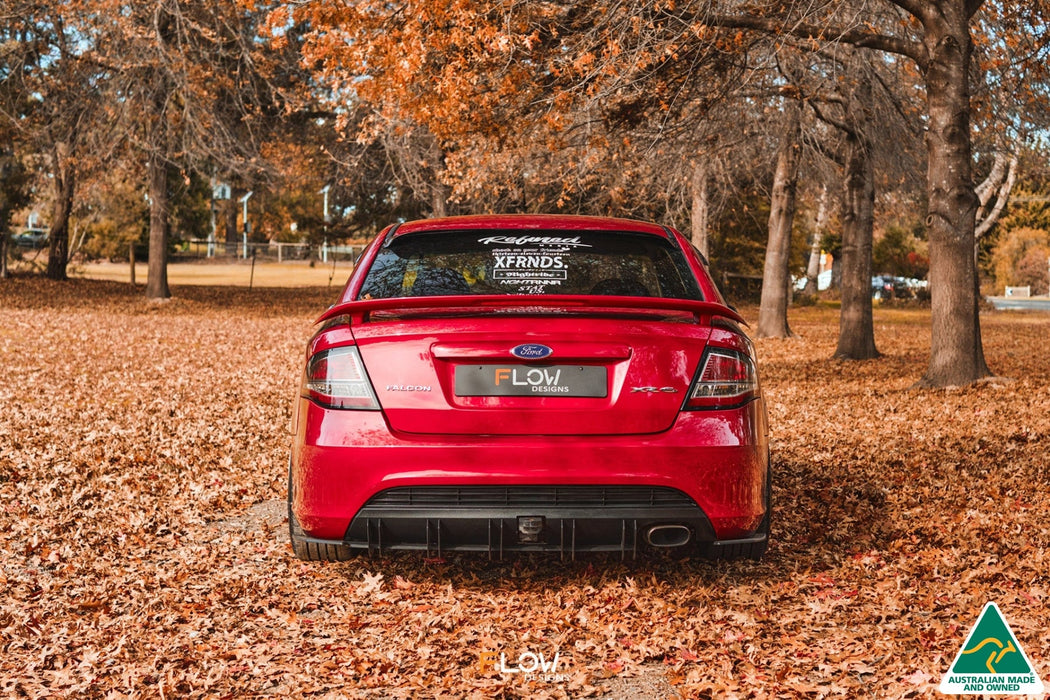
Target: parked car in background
pixel 529 383
pixel 885 287
pixel 31 238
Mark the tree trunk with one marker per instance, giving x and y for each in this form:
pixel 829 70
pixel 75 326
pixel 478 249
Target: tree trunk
pixel 4 274
pixel 230 216
pixel 856 326
pixel 956 352
pixel 813 267
pixel 772 312
pixel 439 200
pixel 64 181
pixel 157 280
pixel 700 212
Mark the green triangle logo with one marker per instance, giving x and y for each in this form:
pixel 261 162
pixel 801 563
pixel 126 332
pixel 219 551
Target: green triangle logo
pixel 991 661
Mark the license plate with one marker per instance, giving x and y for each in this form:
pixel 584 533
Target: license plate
pixel 531 380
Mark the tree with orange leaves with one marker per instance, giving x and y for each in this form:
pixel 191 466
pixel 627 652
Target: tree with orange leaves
pixel 191 88
pixel 461 69
pixel 49 101
pixel 937 37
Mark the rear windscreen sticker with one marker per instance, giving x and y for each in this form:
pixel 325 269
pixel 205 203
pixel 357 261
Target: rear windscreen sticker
pixel 519 267
pixel 530 270
pixel 556 241
pixel 531 264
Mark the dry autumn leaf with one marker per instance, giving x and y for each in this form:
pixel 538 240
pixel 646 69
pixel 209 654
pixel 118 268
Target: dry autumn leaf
pixel 143 450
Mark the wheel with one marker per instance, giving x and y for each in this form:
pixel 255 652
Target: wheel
pixel 305 549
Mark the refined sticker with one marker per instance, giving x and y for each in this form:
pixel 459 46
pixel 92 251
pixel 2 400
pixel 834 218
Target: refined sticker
pixel 534 241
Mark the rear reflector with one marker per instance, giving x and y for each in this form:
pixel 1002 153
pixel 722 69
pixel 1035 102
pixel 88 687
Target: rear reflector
pixel 728 378
pixel 336 378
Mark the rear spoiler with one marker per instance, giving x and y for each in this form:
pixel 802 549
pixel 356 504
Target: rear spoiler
pixel 526 302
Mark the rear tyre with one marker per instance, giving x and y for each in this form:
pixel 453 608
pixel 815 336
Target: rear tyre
pixel 305 549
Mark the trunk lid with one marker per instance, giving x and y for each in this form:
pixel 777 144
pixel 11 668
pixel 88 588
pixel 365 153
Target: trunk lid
pixel 576 371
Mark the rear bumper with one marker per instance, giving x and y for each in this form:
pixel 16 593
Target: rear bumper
pixel 350 475
pixel 495 537
pixel 565 519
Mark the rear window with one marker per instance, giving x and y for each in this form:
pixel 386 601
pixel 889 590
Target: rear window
pixel 534 262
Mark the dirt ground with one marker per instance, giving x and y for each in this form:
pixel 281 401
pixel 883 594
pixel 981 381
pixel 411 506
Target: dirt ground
pixel 143 551
pixel 240 273
pixel 263 272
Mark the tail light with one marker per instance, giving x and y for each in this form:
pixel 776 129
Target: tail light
pixel 727 378
pixel 336 378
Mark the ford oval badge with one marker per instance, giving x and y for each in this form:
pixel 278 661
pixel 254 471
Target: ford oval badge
pixel 531 351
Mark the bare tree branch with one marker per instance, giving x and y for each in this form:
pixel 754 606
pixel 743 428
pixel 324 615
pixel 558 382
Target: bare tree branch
pixel 916 8
pixel 985 224
pixel 856 37
pixel 987 187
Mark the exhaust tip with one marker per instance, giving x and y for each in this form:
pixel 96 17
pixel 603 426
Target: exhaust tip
pixel 667 535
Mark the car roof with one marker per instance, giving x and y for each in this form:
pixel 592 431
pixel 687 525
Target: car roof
pixel 530 222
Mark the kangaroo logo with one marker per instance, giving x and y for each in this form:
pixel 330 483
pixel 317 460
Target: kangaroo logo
pixel 997 654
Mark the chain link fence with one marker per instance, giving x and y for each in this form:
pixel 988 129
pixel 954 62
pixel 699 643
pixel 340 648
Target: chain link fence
pixel 272 251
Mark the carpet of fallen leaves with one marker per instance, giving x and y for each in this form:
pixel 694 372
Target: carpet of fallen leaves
pixel 143 450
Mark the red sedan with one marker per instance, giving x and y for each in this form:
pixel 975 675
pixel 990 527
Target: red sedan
pixel 529 383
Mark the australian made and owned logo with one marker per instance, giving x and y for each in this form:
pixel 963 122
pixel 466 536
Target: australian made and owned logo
pixel 991 661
